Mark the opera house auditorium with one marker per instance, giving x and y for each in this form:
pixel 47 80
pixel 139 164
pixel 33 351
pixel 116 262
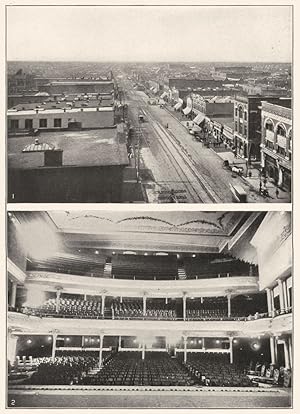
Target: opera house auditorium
pixel 144 309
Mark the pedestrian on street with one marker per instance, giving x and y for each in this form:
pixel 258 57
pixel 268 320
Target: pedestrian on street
pixel 277 192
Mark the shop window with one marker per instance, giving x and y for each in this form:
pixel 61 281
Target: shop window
pixel 14 124
pixel 57 122
pixel 43 123
pixel 28 123
pixel 271 173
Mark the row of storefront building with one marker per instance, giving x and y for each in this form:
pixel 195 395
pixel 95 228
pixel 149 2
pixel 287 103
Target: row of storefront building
pixel 256 128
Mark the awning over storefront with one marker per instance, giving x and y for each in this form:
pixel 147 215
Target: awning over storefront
pixel 178 105
pixel 163 95
pixel 196 128
pixel 187 110
pixel 199 118
pixel 152 88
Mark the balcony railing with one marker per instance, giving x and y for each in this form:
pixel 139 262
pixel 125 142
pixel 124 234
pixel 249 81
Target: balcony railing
pixel 42 314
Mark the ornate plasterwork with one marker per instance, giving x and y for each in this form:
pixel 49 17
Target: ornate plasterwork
pixel 206 222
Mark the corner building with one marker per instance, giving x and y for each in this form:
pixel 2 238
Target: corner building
pixel 276 145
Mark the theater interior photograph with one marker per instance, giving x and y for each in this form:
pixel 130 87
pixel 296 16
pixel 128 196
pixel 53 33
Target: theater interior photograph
pixel 149 309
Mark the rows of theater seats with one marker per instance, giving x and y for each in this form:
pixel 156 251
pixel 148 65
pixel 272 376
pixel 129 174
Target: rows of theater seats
pixel 215 309
pixel 206 314
pixel 144 267
pixel 215 370
pixel 66 369
pixel 83 265
pixel 270 374
pixel 89 309
pixel 207 310
pixel 127 368
pixel 158 369
pixel 134 309
pixel 209 268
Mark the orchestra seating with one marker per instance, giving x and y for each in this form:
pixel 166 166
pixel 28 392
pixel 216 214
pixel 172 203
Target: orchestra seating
pixel 214 266
pixel 144 267
pixel 215 370
pixel 128 368
pixel 64 370
pixel 156 309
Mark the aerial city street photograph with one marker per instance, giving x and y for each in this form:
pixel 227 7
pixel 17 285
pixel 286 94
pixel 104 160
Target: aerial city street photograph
pixel 197 113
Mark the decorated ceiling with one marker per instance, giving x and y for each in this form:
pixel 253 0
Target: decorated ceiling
pixel 188 222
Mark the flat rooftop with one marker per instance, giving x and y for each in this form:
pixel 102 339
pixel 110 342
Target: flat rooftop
pixel 59 110
pixel 228 121
pixel 93 148
pixel 64 103
pixel 82 82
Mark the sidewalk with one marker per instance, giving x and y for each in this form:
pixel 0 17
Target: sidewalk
pixel 224 154
pixel 254 180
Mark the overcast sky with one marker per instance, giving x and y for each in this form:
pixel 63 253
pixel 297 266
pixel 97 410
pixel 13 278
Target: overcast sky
pixel 149 33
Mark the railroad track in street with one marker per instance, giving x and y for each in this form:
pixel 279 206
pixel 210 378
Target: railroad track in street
pixel 178 156
pixel 184 180
pixel 195 186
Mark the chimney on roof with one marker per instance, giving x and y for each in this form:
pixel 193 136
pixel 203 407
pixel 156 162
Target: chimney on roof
pixel 53 158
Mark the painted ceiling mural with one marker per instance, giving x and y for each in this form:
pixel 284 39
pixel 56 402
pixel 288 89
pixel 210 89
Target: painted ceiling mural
pixel 218 223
